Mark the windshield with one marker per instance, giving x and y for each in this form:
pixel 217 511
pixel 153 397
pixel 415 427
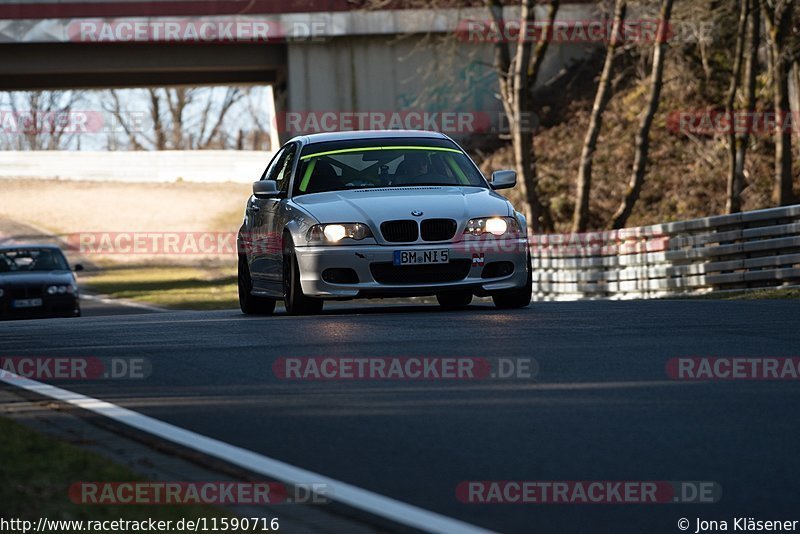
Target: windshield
pixel 389 166
pixel 30 260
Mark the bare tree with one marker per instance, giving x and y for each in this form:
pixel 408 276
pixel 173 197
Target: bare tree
pixel 177 100
pixel 643 137
pixel 733 204
pixel 159 135
pixel 794 89
pixel 736 178
pixel 778 17
pixel 517 78
pixel 580 219
pixel 211 129
pixel 179 118
pixel 42 120
pixel 114 106
pixel 262 122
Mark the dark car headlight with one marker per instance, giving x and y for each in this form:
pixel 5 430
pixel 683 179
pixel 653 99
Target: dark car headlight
pixel 333 233
pixel 60 290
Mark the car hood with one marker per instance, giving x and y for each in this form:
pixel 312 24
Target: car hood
pixel 35 278
pixel 374 206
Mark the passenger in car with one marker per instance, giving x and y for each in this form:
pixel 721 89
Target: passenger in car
pixel 414 166
pixel 324 178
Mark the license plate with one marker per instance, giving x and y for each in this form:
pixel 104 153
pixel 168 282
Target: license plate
pixel 27 303
pixel 421 257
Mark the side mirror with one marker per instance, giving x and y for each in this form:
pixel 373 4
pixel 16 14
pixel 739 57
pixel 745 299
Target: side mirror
pixel 503 179
pixel 77 267
pixel 266 189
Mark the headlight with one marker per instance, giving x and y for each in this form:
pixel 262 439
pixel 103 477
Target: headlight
pixel 59 290
pixel 497 226
pixel 333 233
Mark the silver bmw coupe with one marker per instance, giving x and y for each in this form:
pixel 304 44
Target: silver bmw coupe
pixel 380 214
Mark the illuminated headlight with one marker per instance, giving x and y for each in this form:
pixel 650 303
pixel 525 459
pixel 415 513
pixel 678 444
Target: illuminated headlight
pixel 497 226
pixel 333 233
pixel 59 290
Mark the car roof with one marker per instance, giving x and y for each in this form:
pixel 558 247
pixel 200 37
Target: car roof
pixel 29 247
pixel 368 134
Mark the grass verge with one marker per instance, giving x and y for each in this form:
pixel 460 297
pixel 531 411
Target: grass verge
pixel 38 470
pixel 179 288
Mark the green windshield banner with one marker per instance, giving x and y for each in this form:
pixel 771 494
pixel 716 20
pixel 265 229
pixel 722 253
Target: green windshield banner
pixel 376 148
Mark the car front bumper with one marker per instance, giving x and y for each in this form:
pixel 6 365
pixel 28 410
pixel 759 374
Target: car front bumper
pixel 52 306
pixel 472 265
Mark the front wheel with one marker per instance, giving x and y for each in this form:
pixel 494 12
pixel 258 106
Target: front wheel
pixel 296 302
pixel 250 304
pixel 518 297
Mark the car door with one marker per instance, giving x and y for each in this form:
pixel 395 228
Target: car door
pixel 266 262
pixel 254 225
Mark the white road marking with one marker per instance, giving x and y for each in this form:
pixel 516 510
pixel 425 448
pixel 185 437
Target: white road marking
pixel 120 302
pixel 373 503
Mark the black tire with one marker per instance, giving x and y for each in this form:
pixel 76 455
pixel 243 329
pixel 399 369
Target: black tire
pixel 249 303
pixel 296 302
pixel 453 300
pixel 516 298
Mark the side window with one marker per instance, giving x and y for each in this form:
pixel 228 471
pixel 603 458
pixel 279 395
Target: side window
pixel 272 164
pixel 280 169
pixel 283 170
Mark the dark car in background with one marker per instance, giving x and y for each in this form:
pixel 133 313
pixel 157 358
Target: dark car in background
pixel 36 281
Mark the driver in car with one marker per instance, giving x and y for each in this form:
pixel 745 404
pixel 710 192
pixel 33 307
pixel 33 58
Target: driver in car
pixel 416 166
pixel 421 169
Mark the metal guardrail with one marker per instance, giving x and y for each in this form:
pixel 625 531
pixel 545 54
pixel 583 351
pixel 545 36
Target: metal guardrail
pixel 739 251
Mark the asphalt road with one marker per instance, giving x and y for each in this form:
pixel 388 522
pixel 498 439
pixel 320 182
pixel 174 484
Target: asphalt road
pixel 100 307
pixel 601 408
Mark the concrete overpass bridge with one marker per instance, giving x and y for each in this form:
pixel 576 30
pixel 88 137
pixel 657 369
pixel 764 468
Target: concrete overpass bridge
pixel 319 55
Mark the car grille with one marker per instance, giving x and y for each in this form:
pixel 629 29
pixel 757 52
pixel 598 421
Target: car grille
pixel 400 231
pixel 388 273
pixel 438 229
pixel 409 231
pixel 25 292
